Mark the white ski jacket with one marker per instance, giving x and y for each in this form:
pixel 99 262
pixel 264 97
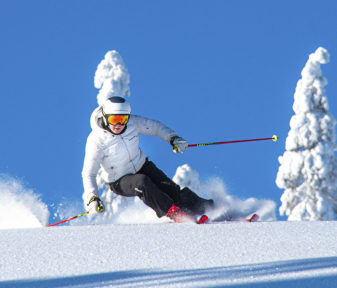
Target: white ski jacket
pixel 118 155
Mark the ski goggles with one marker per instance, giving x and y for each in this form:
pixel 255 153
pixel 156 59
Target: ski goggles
pixel 115 119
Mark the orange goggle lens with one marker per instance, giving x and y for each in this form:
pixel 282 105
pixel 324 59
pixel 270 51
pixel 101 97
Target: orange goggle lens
pixel 115 119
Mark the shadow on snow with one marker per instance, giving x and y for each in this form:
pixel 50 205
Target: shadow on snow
pixel 235 276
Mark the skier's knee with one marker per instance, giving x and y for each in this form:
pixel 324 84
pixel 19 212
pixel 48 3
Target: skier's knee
pixel 143 185
pixel 142 180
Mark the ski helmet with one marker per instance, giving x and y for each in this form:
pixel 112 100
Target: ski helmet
pixel 116 105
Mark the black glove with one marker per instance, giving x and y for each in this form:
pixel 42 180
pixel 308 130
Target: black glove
pixel 95 205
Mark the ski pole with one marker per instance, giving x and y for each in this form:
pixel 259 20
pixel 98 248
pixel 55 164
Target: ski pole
pixel 72 218
pixel 274 138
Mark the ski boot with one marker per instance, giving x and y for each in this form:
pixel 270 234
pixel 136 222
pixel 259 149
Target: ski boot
pixel 203 219
pixel 179 216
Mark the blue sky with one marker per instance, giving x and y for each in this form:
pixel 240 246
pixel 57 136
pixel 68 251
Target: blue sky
pixel 211 70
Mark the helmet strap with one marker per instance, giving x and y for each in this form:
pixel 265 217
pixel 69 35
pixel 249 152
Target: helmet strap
pixel 104 119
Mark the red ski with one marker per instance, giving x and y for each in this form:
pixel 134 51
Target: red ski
pixel 253 218
pixel 205 220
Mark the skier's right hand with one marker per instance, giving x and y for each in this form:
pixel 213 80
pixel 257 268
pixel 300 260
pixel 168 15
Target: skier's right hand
pixel 95 205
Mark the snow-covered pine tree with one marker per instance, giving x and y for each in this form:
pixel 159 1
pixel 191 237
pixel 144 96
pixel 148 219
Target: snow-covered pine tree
pixel 308 170
pixel 112 77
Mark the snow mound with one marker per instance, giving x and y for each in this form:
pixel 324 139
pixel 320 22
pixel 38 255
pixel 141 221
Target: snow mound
pixel 227 206
pixel 123 210
pixel 20 207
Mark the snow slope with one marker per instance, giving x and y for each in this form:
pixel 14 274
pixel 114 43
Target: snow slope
pixel 232 254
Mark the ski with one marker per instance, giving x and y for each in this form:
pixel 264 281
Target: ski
pixel 253 218
pixel 204 219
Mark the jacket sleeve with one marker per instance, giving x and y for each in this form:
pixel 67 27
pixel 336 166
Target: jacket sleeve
pixel 153 127
pixel 93 157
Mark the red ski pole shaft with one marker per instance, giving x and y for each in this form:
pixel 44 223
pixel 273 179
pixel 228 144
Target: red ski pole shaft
pixel 274 138
pixel 69 219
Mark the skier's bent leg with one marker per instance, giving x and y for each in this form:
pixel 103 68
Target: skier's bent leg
pixel 160 179
pixel 184 198
pixel 142 186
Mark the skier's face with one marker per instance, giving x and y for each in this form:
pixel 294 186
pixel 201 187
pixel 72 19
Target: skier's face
pixel 117 129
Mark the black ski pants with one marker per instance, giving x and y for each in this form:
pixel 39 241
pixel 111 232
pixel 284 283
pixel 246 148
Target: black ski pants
pixel 157 191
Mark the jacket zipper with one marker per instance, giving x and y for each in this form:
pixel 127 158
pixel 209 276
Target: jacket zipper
pixel 126 147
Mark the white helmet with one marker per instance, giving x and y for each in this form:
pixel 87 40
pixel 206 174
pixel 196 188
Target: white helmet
pixel 116 105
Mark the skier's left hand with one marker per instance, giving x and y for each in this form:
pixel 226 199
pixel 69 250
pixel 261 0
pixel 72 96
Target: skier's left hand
pixel 95 205
pixel 178 144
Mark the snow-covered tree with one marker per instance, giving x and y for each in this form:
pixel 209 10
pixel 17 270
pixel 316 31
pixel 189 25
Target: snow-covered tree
pixel 308 167
pixel 112 77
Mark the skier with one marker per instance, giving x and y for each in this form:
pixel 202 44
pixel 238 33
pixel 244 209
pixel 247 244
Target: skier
pixel 113 144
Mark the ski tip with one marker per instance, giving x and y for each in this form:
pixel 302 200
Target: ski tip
pixel 274 138
pixel 253 218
